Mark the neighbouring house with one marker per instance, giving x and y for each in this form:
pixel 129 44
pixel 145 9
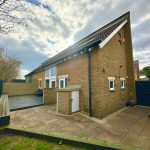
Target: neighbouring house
pixel 143 78
pixel 100 66
pixel 136 70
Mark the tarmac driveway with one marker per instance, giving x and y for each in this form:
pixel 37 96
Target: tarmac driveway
pixel 130 126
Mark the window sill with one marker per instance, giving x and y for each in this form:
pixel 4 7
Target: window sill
pixel 112 90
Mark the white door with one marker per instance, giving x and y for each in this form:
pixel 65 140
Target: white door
pixel 75 101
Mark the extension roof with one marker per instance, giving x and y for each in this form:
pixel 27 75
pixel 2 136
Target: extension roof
pixel 96 37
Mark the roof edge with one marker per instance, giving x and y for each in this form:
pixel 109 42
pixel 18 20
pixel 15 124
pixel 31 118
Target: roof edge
pixel 126 14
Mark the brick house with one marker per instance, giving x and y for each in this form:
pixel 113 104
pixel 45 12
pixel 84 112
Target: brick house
pixel 101 64
pixel 136 70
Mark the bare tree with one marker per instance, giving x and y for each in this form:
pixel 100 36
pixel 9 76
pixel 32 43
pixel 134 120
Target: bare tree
pixel 9 67
pixel 14 13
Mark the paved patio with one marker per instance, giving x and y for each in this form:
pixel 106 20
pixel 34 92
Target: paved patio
pixel 131 126
pixel 16 102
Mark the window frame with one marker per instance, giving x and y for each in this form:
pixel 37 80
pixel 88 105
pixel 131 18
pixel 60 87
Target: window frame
pixel 64 79
pixel 122 80
pixel 40 83
pixel 111 79
pixel 51 77
pixel 50 83
pixel 51 69
pixel 48 72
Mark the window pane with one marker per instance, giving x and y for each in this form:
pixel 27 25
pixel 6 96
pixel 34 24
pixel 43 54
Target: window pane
pixel 47 83
pixel 61 83
pixel 122 84
pixel 53 84
pixel 53 71
pixel 47 72
pixel 111 84
pixel 66 82
pixel 40 83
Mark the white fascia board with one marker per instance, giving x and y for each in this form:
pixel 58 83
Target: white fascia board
pixel 103 43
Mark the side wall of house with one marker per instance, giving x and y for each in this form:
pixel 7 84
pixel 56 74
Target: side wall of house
pixel 110 61
pixel 39 75
pixel 77 71
pixel 129 61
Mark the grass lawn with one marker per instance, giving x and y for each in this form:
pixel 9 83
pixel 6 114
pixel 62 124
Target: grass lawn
pixel 14 142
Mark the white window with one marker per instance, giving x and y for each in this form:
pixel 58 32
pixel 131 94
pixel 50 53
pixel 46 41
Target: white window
pixel 111 83
pixel 47 83
pixel 47 72
pixel 50 77
pixel 53 83
pixel 50 72
pixel 53 71
pixel 40 83
pixel 63 81
pixel 122 81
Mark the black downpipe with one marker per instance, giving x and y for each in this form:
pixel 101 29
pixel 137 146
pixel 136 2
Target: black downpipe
pixel 89 82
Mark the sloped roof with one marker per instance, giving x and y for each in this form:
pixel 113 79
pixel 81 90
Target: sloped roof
pixel 96 37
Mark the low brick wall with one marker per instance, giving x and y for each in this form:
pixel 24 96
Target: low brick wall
pixel 49 95
pixel 16 89
pixel 64 102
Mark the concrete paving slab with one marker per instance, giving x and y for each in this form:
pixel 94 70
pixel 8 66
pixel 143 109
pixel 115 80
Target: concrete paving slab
pixel 130 126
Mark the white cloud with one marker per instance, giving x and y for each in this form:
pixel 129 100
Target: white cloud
pixel 22 73
pixel 68 21
pixel 143 56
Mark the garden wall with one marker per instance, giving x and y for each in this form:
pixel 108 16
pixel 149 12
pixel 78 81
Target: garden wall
pixel 49 95
pixel 16 89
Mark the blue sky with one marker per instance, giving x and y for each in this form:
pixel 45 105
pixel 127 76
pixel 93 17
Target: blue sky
pixel 59 24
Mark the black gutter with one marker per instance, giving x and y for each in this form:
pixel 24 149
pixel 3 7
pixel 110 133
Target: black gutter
pixel 89 82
